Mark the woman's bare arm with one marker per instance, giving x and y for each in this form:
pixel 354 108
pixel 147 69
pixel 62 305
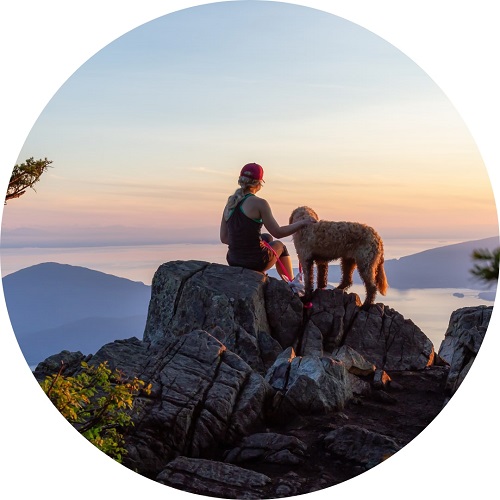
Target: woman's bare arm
pixel 272 225
pixel 223 231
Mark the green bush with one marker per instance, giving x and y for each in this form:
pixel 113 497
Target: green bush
pixel 98 403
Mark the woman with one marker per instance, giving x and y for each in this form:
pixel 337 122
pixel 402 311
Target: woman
pixel 242 221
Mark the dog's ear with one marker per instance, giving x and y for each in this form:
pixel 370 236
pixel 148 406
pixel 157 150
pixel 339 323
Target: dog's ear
pixel 314 214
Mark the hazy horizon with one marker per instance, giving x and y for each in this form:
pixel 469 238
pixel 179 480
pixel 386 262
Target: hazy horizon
pixel 139 262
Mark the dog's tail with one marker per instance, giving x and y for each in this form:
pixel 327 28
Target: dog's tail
pixel 381 278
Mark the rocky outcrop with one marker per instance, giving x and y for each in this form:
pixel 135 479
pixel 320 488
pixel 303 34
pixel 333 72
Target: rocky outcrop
pixel 215 479
pixel 228 302
pixel 463 338
pixel 203 398
pixel 356 444
pixel 257 317
pixel 269 447
pixel 244 376
pixel 382 335
pixel 307 385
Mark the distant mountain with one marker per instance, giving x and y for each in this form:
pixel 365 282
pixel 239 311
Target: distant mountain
pixel 87 335
pixel 53 307
pixel 445 267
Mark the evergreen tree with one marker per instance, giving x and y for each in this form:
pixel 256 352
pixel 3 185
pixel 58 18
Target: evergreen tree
pixel 486 266
pixel 25 176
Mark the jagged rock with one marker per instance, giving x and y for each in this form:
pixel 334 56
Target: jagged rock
pixel 212 478
pixel 332 313
pixel 357 444
pixel 269 447
pixel 258 317
pixel 389 341
pixel 197 295
pixel 353 361
pixel 463 338
pixel 214 332
pixel 69 362
pixel 284 312
pixel 462 321
pixel 308 384
pixel 203 397
pixel 381 335
pixel 312 341
pixel 166 289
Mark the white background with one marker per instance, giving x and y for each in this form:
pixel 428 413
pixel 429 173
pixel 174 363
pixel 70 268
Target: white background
pixel 43 43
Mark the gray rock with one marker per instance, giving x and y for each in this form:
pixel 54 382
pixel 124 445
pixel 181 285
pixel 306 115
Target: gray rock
pixel 462 322
pixel 213 332
pixel 257 317
pixel 463 339
pixel 217 479
pixel 360 445
pixel 269 447
pixel 197 295
pixel 353 361
pixel 308 384
pixel 203 397
pixel 66 362
pixel 388 340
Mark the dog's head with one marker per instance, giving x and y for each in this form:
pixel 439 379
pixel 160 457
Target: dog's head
pixel 302 213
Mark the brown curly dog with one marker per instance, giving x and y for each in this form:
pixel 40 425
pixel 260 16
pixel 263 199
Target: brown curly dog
pixel 353 243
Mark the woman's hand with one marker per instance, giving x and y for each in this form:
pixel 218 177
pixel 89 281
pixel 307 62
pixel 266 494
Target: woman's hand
pixel 308 221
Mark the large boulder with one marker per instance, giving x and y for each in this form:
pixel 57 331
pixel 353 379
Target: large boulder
pixel 381 334
pixel 356 444
pixel 203 397
pixel 256 317
pixel 241 372
pixel 216 479
pixel 229 302
pixel 307 385
pixel 463 338
pixel 268 447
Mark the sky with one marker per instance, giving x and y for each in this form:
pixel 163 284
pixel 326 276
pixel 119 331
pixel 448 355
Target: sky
pixel 148 136
pixel 47 41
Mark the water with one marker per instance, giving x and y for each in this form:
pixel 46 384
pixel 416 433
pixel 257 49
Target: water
pixel 139 263
pixel 429 309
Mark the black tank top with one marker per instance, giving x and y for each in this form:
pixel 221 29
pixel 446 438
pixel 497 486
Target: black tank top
pixel 246 248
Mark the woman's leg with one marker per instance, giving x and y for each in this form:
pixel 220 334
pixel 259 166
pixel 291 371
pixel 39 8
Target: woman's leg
pixel 285 260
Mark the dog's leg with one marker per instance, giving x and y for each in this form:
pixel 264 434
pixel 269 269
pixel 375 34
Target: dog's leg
pixel 367 273
pixel 347 266
pixel 322 273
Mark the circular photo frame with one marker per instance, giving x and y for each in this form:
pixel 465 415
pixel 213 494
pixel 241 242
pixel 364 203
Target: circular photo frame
pixel 137 317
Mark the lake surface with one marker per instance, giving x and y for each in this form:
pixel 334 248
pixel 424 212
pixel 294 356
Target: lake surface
pixel 429 309
pixel 139 263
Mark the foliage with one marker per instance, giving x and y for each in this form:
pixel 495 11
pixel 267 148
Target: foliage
pixel 486 267
pixel 25 176
pixel 98 403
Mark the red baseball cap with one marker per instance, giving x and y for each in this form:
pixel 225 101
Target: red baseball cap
pixel 253 171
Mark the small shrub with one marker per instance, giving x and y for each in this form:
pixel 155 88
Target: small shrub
pixel 98 403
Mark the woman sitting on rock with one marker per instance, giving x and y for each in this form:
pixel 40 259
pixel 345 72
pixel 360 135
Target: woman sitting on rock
pixel 242 221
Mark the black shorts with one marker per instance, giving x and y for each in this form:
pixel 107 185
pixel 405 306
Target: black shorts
pixel 257 260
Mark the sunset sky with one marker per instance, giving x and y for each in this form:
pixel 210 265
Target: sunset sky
pixel 147 137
